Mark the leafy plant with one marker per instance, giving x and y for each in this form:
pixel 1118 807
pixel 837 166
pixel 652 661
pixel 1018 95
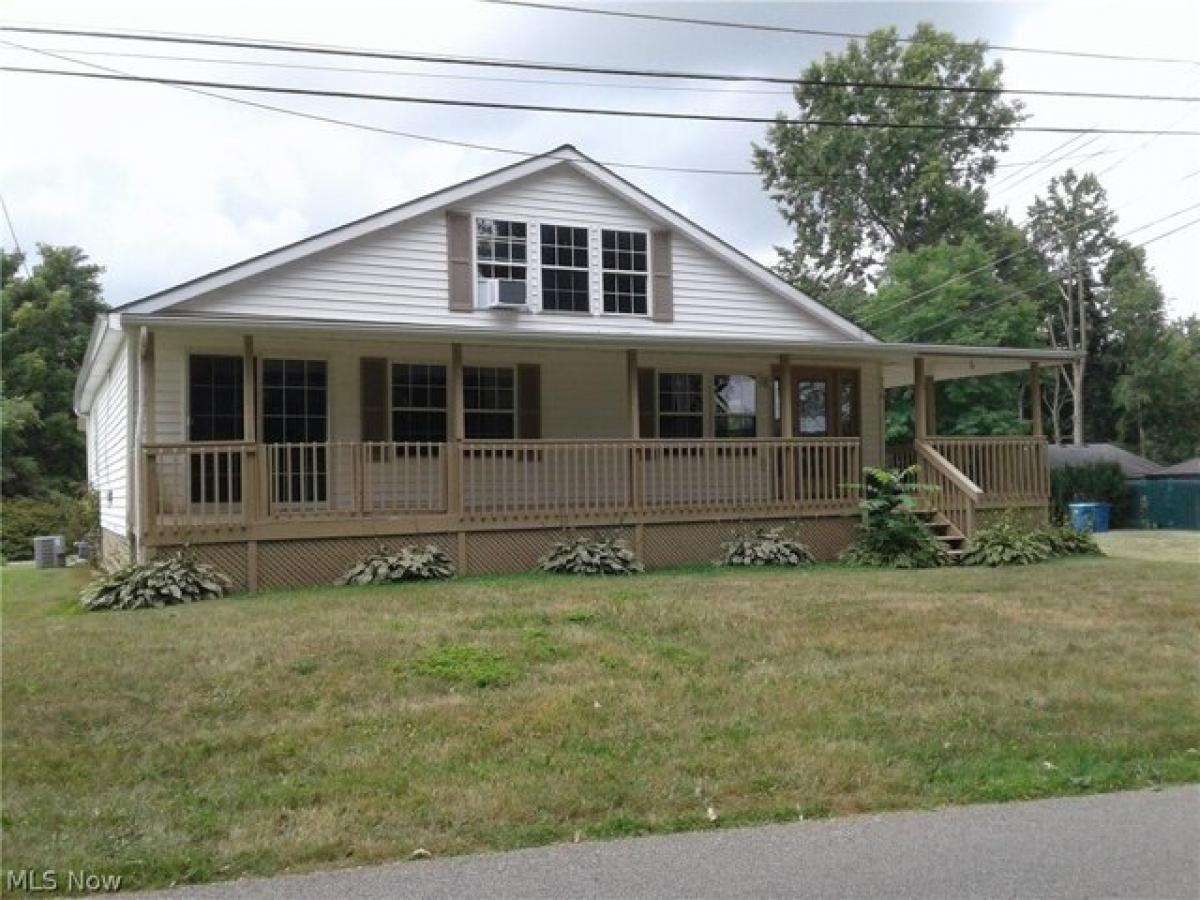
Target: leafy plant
pixel 76 518
pixel 1006 543
pixel 891 535
pixel 765 547
pixel 581 555
pixel 410 563
pixel 1066 541
pixel 165 582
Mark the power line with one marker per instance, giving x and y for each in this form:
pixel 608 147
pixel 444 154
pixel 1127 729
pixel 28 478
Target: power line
pixel 583 110
pixel 491 62
pixel 814 32
pixel 1030 248
pixel 1053 278
pixel 490 148
pixel 16 241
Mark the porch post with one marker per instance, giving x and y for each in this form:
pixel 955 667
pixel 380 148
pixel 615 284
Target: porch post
pixel 931 405
pixel 920 400
pixel 454 450
pixel 145 467
pixel 1035 399
pixel 249 461
pixel 787 430
pixel 631 393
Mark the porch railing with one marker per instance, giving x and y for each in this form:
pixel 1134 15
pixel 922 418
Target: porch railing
pixel 211 487
pixel 1009 470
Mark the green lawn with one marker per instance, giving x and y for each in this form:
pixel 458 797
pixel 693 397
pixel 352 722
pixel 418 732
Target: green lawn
pixel 1167 546
pixel 322 728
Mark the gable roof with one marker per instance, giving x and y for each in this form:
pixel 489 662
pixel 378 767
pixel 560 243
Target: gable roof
pixel 1189 468
pixel 1132 466
pixel 565 155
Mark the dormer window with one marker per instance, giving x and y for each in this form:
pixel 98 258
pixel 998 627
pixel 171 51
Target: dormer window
pixel 501 261
pixel 625 265
pixel 565 269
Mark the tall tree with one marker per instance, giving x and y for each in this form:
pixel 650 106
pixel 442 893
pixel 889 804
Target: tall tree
pixel 1072 227
pixel 45 323
pixel 855 195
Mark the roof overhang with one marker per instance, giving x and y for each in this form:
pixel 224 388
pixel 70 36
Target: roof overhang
pixel 102 346
pixel 942 362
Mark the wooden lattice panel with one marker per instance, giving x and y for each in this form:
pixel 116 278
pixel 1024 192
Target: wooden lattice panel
pixel 321 561
pixel 229 559
pixel 504 552
pixel 692 543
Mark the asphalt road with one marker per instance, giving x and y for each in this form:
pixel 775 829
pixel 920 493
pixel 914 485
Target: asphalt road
pixel 1141 844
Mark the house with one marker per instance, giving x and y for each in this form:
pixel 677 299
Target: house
pixel 539 348
pixel 1133 467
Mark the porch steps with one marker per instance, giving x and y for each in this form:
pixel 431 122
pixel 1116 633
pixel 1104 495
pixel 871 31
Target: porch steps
pixel 943 531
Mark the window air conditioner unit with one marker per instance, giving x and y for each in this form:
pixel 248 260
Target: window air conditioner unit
pixel 501 293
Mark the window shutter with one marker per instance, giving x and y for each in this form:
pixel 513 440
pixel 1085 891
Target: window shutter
pixel 458 260
pixel 647 403
pixel 660 263
pixel 373 388
pixel 529 402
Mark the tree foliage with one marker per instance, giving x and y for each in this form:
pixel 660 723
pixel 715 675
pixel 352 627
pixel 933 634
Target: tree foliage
pixel 855 195
pixel 45 323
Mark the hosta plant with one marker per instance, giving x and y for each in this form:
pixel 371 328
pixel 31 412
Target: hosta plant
pixel 165 582
pixel 1066 541
pixel 1006 542
pixel 765 547
pixel 410 563
pixel 590 556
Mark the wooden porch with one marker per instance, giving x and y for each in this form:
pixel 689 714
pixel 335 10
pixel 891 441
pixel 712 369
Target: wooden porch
pixel 200 493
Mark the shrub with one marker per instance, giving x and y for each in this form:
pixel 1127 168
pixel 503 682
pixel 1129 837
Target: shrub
pixel 1097 482
pixel 1006 543
pixel 765 547
pixel 1066 541
pixel 891 535
pixel 75 518
pixel 164 582
pixel 588 556
pixel 410 563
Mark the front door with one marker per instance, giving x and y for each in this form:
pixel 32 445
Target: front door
pixel 826 403
pixel 295 426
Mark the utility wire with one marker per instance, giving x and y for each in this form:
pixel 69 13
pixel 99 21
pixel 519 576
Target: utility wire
pixel 16 241
pixel 1053 278
pixel 1029 248
pixel 583 110
pixel 489 148
pixel 814 32
pixel 491 62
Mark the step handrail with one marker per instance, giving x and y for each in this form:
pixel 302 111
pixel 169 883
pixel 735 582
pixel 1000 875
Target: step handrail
pixel 959 496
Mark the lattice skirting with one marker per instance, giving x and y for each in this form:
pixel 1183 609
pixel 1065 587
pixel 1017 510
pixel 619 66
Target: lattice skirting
pixel 230 559
pixel 689 543
pixel 114 550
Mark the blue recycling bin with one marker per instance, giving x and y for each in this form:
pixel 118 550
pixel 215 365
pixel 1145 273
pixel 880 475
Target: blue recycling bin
pixel 1091 517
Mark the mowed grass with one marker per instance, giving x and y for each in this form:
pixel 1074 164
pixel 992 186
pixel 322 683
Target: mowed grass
pixel 1163 545
pixel 334 727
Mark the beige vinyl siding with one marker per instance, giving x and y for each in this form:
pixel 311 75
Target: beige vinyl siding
pixel 399 276
pixel 108 444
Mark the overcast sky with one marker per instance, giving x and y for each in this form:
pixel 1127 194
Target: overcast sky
pixel 159 185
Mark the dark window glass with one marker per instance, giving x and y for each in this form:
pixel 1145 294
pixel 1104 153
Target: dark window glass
pixel 564 268
pixel 418 403
pixel 625 263
pixel 734 406
pixel 680 405
pixel 500 249
pixel 215 413
pixel 295 411
pixel 489 403
pixel 812 407
pixel 847 405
